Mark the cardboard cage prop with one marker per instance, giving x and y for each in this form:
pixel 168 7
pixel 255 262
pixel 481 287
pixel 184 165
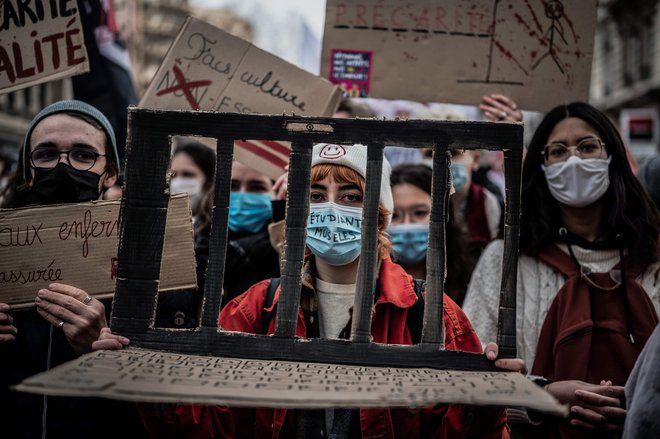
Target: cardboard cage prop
pixel 212 366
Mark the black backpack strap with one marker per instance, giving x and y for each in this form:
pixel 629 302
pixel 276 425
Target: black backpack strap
pixel 267 316
pixel 415 318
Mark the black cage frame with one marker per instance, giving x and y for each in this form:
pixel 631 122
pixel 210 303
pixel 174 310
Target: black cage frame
pixel 144 212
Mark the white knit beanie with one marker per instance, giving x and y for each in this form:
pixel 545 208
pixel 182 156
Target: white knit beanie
pixel 355 157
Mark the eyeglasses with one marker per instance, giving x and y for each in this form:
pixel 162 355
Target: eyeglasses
pixel 589 148
pixel 81 159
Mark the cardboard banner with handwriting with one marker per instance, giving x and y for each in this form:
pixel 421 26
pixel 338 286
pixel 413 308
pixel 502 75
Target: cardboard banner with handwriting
pixel 538 52
pixel 209 69
pixel 76 244
pixel 39 42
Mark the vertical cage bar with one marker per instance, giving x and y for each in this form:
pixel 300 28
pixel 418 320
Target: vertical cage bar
pixel 366 278
pixel 433 332
pixel 143 216
pixel 218 239
pixel 297 211
pixel 506 319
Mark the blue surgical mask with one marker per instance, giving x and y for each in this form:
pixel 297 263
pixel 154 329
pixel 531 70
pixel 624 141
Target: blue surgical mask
pixel 410 242
pixel 458 175
pixel 334 232
pixel 248 212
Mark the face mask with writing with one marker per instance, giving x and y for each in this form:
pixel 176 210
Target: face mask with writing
pixel 192 186
pixel 249 212
pixel 409 242
pixel 63 184
pixel 578 182
pixel 334 232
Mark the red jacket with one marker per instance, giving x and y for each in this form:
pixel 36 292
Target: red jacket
pixel 397 294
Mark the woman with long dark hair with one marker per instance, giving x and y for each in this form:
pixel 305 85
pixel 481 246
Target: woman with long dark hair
pixel 588 272
pixel 409 232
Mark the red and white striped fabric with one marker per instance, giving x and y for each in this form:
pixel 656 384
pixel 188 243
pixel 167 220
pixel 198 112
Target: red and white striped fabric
pixel 268 156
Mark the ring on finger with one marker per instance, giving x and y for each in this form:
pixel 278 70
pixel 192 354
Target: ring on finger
pixel 503 115
pixel 87 299
pixel 60 325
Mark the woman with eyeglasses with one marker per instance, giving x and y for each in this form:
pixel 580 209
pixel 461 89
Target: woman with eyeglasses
pixel 588 272
pixel 409 232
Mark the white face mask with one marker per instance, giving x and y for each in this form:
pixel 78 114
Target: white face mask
pixel 191 186
pixel 578 182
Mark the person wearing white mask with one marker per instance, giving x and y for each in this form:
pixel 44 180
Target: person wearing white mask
pixel 192 169
pixel 329 282
pixel 588 272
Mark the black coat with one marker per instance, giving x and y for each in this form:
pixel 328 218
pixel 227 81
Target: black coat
pixel 21 413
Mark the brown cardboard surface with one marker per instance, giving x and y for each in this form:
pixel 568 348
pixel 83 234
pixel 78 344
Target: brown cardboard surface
pixel 209 69
pixel 77 244
pixel 537 52
pixel 153 376
pixel 35 47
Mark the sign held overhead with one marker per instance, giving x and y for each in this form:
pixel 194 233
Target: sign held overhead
pixel 538 52
pixel 39 42
pixel 209 69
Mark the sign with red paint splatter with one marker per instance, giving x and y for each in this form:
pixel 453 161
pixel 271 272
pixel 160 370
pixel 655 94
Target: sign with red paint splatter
pixel 40 41
pixel 538 52
pixel 209 69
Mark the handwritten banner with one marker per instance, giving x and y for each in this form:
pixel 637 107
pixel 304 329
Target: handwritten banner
pixel 538 52
pixel 40 41
pixel 77 244
pixel 209 69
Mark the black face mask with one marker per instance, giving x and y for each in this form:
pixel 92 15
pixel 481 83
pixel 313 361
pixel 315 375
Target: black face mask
pixel 62 184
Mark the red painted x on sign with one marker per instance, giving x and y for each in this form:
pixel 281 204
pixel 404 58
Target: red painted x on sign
pixel 185 87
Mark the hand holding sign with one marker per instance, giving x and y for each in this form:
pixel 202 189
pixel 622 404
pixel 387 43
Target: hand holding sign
pixel 69 309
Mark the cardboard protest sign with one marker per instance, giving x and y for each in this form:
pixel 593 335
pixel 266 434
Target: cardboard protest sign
pixel 40 41
pixel 77 244
pixel 153 376
pixel 538 52
pixel 209 69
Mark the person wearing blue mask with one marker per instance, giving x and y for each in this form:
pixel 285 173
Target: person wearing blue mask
pixel 328 291
pixel 252 208
pixel 411 188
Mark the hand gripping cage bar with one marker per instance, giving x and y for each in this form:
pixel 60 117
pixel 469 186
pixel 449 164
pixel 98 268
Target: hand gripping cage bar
pixel 144 212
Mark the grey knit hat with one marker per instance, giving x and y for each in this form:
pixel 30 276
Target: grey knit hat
pixel 71 106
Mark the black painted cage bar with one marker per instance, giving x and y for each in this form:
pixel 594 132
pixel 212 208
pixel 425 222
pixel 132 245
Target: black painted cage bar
pixel 144 212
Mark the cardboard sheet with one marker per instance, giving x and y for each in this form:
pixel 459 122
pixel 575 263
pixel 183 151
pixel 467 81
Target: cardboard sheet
pixel 40 41
pixel 209 69
pixel 77 244
pixel 538 52
pixel 152 376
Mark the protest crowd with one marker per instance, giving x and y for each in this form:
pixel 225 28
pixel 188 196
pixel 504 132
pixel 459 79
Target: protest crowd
pixel 588 279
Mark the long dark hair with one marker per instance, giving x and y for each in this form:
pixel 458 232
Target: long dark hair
pixel 204 157
pixel 628 212
pixel 460 260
